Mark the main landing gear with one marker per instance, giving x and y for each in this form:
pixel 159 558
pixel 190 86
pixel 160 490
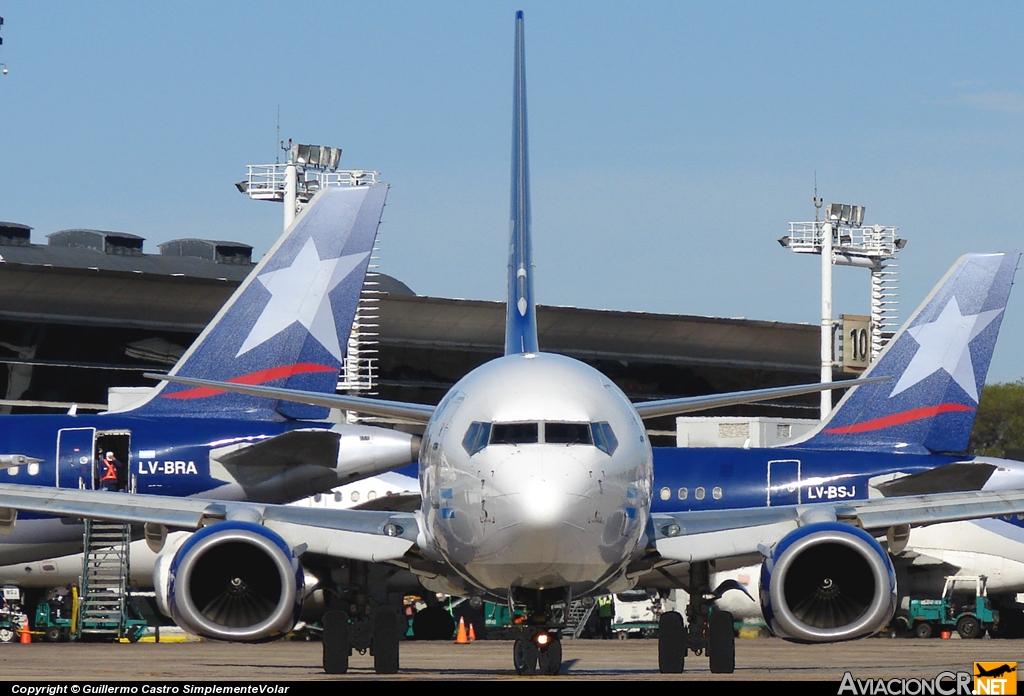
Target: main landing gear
pixel 379 635
pixel 540 653
pixel 706 630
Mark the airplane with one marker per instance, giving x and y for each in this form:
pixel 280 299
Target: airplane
pixel 536 482
pixel 892 438
pixel 290 319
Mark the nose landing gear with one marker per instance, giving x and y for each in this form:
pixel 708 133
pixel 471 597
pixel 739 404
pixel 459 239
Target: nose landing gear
pixel 537 653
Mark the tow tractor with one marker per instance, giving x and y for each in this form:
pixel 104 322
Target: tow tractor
pixel 971 616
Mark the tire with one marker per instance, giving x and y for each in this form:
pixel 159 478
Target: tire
pixel 337 647
pixel 6 635
pixel 524 656
pixel 721 643
pixel 549 660
pixel 968 627
pixel 923 630
pixel 385 642
pixel 671 643
pixel 54 634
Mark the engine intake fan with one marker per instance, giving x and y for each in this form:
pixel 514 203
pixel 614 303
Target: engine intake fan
pixel 235 581
pixel 827 582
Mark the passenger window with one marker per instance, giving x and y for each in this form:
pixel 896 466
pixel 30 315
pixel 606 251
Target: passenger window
pixel 317 498
pixel 604 438
pixel 716 492
pixel 355 496
pixel 514 433
pixel 567 433
pixel 698 492
pixel 476 437
pixel 666 493
pixel 337 496
pixel 683 493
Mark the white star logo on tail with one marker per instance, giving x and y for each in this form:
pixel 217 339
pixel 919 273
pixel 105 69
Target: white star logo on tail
pixel 945 345
pixel 299 293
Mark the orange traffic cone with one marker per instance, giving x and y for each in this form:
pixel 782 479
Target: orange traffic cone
pixel 26 636
pixel 472 633
pixel 460 637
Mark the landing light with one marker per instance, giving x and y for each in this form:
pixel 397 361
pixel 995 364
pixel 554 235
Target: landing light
pixel 670 530
pixel 392 530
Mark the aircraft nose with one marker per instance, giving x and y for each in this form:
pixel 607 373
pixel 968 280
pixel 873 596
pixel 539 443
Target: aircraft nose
pixel 543 487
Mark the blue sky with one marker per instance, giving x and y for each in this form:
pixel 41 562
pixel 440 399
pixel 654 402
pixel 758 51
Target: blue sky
pixel 671 143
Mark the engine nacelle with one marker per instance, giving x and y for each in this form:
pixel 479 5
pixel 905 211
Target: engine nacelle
pixel 234 581
pixel 827 582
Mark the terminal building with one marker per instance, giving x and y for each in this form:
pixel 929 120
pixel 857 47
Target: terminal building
pixel 90 309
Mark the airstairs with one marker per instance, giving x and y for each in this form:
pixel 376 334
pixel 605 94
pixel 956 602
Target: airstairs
pixel 576 618
pixel 103 607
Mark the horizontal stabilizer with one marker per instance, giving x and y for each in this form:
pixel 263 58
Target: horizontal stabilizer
pixel 317 447
pixel 959 476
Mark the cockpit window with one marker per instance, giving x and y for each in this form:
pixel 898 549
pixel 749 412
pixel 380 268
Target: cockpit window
pixel 514 433
pixel 567 433
pixel 476 437
pixel 604 438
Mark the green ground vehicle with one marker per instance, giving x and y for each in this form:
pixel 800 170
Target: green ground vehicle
pixel 55 617
pixel 970 614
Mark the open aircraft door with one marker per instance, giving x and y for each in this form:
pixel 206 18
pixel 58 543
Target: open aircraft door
pixel 75 458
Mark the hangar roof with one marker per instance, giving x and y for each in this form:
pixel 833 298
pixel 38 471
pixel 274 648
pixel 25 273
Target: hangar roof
pixel 94 277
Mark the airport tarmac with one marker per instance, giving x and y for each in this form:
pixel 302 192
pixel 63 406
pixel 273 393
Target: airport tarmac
pixel 756 659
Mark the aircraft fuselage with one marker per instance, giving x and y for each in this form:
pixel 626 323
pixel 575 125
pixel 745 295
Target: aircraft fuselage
pixel 535 473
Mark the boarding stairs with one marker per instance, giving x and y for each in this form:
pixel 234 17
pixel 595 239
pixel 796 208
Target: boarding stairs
pixel 103 607
pixel 576 618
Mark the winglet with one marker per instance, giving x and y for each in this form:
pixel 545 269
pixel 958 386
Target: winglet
pixel 521 315
pixel 937 364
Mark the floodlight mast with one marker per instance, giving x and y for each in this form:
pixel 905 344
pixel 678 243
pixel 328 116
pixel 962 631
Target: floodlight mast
pixel 842 239
pixel 310 168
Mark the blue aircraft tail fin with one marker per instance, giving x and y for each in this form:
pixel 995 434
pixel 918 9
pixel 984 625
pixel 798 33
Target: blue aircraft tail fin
pixel 521 315
pixel 937 363
pixel 288 323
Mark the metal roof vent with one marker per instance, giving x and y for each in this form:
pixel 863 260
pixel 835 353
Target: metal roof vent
pixel 218 252
pixel 115 243
pixel 15 234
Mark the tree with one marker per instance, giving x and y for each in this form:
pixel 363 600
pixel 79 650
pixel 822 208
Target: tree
pixel 1000 423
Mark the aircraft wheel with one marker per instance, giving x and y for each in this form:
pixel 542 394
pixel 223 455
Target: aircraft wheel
pixel 54 634
pixel 549 659
pixel 923 630
pixel 968 627
pixel 336 642
pixel 385 642
pixel 671 643
pixel 6 635
pixel 721 643
pixel 524 656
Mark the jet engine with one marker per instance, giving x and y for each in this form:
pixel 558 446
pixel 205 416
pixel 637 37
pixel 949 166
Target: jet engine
pixel 234 581
pixel 827 582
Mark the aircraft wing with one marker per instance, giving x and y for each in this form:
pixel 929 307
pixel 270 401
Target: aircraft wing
pixel 416 413
pixel 689 404
pixel 366 535
pixel 705 535
pixel 420 413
